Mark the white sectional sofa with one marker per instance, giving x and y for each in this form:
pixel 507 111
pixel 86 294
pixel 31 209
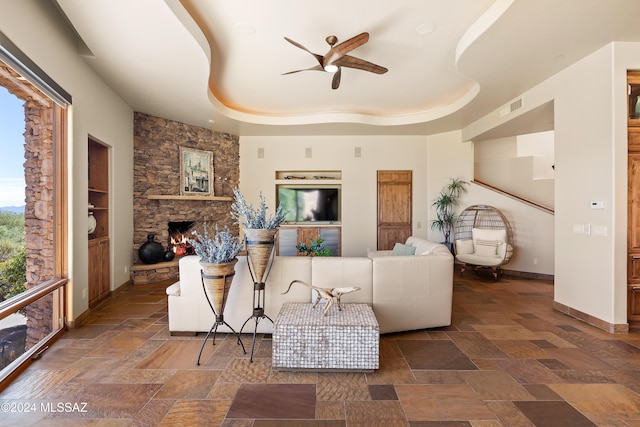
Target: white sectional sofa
pixel 406 292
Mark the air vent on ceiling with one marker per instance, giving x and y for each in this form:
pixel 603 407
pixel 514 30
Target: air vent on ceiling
pixel 511 107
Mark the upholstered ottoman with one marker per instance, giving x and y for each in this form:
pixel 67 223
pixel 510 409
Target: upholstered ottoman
pixel 305 339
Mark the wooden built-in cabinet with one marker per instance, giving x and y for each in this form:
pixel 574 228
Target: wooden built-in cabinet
pixel 633 201
pixel 99 286
pixel 290 236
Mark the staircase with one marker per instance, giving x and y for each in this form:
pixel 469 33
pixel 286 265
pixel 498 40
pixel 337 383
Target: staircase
pixel 521 166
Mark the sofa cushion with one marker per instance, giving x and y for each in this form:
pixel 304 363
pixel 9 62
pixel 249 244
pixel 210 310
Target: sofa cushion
pixel 401 249
pixel 340 272
pixel 464 247
pixel 425 247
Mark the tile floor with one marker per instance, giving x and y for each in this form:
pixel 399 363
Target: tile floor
pixel 508 359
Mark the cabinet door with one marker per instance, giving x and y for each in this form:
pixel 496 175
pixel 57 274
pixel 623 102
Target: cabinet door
pixel 633 235
pixel 634 139
pixel 287 241
pixel 104 270
pixel 332 240
pixel 633 303
pixel 305 234
pixel 99 277
pixel 95 267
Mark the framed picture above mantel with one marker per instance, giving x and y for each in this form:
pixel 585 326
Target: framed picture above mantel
pixel 196 172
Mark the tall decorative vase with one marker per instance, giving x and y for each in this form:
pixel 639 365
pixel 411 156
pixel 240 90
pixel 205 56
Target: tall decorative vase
pixel 260 244
pixel 217 279
pixel 151 252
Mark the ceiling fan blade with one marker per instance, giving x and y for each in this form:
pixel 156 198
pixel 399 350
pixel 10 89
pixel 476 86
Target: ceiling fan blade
pixel 338 51
pixel 335 83
pixel 353 62
pixel 314 68
pixel 319 58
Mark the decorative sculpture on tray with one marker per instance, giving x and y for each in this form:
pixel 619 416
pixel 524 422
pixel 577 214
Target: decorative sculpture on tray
pixel 326 293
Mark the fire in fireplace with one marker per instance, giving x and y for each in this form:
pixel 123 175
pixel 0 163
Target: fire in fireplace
pixel 179 233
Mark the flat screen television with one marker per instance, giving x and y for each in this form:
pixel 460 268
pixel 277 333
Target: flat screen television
pixel 310 203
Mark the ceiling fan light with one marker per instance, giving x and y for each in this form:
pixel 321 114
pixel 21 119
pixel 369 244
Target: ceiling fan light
pixel 330 68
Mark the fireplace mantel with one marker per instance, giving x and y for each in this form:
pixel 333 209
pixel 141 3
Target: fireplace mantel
pixel 173 197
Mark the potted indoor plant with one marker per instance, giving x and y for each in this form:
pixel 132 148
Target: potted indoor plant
pixel 316 248
pixel 259 230
pixel 445 203
pixel 218 256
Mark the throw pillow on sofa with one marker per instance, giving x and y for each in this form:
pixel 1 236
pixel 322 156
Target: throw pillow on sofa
pixel 400 249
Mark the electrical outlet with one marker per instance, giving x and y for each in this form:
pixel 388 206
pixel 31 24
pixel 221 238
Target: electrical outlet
pixel 126 269
pixel 84 293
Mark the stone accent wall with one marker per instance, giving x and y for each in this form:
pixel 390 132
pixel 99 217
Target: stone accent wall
pixel 38 215
pixel 154 273
pixel 157 143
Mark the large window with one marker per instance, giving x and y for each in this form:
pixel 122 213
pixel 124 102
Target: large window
pixel 32 312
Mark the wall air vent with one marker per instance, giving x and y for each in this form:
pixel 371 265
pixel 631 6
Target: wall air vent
pixel 511 107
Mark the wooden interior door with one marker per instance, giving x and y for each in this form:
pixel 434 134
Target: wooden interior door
pixel 394 207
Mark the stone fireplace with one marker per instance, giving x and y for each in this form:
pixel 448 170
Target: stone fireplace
pixel 156 183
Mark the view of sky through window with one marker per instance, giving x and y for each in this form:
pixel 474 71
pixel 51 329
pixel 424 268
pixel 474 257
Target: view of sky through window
pixel 12 150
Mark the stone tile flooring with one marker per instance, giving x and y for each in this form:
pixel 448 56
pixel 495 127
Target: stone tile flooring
pixel 508 359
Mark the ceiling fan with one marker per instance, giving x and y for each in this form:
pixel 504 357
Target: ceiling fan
pixel 336 58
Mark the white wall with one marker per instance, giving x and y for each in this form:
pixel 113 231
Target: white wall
pixel 500 148
pixel 358 175
pixel 35 27
pixel 591 161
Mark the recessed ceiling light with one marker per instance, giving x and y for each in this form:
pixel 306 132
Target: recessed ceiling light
pixel 244 28
pixel 426 28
